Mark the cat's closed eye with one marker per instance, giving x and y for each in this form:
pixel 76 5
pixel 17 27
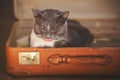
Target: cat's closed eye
pixel 42 30
pixel 53 31
pixel 62 33
pixel 42 27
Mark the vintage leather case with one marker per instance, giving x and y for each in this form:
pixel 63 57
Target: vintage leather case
pixel 100 58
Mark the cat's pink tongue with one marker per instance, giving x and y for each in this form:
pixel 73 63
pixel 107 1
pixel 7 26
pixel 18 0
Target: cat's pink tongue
pixel 48 39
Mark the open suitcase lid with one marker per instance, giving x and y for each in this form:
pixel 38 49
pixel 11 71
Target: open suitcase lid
pixel 80 9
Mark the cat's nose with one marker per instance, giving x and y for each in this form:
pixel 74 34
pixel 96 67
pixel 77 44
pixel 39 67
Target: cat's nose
pixel 48 36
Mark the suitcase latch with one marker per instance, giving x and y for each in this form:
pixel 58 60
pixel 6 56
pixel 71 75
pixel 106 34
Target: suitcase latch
pixel 29 58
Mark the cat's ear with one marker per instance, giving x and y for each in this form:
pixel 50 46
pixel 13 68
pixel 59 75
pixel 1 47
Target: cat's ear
pixel 63 16
pixel 36 13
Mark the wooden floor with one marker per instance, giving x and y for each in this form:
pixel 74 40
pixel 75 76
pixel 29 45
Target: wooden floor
pixel 6 21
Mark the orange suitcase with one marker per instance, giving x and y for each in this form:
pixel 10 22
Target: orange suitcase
pixel 100 58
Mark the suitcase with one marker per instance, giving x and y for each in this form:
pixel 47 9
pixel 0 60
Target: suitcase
pixel 100 58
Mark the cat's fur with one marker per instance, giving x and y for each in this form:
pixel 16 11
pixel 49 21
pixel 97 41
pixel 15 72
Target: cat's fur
pixel 53 29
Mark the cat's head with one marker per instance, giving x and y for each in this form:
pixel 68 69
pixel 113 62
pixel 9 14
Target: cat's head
pixel 50 25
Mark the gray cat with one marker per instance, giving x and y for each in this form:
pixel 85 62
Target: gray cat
pixel 53 29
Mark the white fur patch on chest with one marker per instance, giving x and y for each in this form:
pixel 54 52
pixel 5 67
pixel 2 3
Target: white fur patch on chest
pixel 39 42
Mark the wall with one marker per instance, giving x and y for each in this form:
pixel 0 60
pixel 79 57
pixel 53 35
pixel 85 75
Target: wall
pixel 81 9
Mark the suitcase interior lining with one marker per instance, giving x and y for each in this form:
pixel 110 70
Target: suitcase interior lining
pixel 106 33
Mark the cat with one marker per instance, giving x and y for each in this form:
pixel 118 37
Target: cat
pixel 53 29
